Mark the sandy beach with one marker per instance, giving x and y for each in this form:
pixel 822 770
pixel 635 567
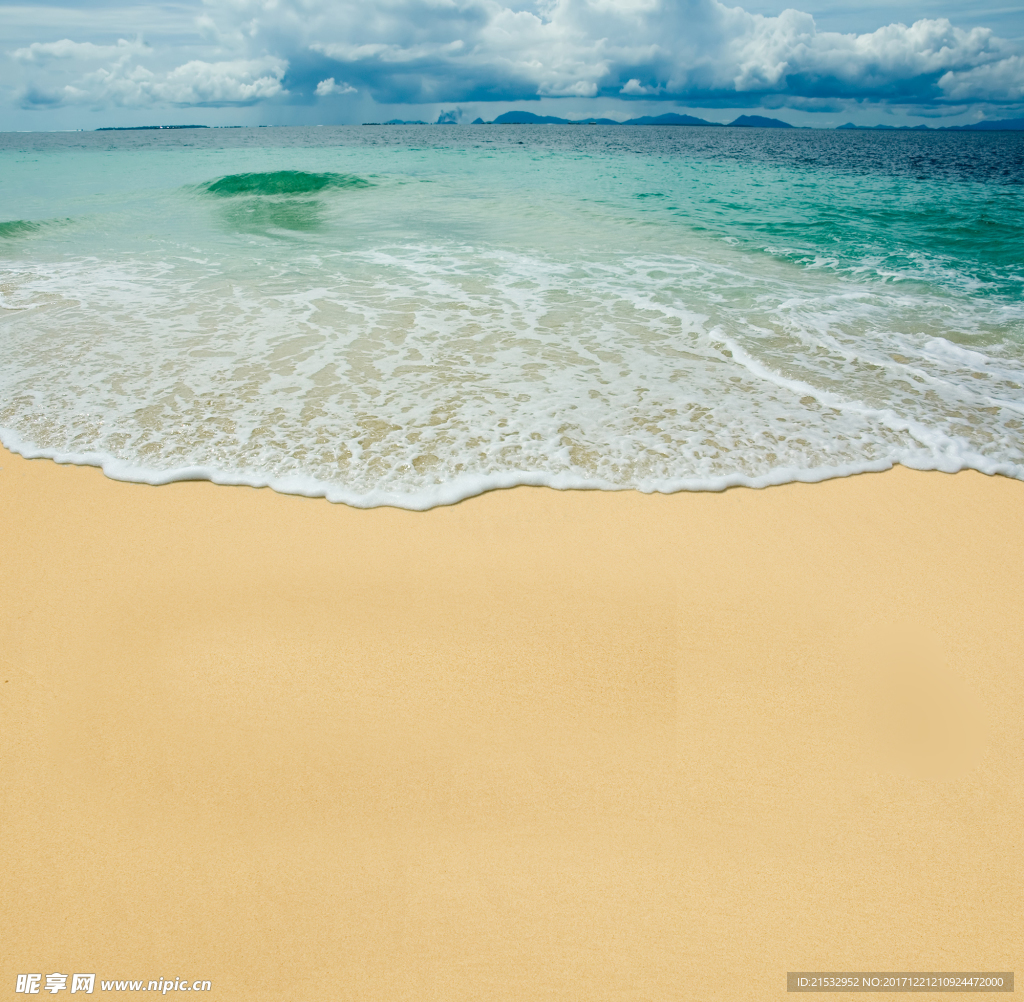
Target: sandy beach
pixel 537 745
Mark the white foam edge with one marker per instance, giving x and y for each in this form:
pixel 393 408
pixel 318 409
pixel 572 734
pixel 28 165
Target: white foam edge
pixel 467 486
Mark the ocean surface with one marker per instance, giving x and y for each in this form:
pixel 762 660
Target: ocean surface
pixel 412 315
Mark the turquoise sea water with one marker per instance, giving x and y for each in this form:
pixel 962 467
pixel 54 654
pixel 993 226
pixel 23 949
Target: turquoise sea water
pixel 412 315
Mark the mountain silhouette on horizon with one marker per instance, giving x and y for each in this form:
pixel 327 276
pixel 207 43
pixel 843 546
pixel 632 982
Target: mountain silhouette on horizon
pixel 743 122
pixel 1000 125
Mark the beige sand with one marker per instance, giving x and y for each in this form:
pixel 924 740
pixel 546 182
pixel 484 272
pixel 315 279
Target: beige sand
pixel 534 746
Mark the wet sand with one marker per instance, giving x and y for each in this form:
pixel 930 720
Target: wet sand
pixel 536 745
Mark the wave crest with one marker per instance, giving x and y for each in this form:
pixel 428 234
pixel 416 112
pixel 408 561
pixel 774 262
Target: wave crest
pixel 17 228
pixel 282 182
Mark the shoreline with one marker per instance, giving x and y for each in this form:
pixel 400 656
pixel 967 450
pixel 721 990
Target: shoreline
pixel 468 486
pixel 535 744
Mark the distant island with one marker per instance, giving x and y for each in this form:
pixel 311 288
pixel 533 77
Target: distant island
pixel 743 122
pixel 873 128
pixel 138 128
pixel 1002 125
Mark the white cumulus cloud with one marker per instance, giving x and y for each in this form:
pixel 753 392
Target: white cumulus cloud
pixel 193 83
pixel 236 81
pixel 327 87
pixel 1002 81
pixel 634 88
pixel 39 52
pixel 668 48
pixel 456 51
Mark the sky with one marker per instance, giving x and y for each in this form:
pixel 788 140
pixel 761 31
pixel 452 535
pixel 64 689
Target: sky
pixel 70 64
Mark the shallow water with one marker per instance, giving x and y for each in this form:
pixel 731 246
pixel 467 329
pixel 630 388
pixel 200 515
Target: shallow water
pixel 410 316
